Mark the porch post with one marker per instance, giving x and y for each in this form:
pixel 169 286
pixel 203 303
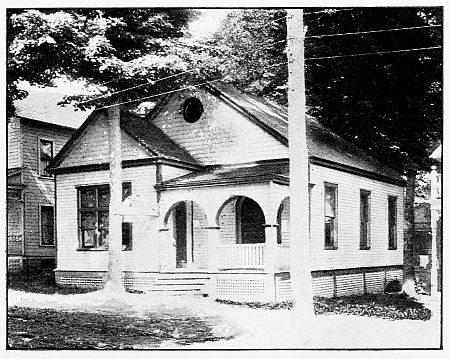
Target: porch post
pixel 271 247
pixel 163 248
pixel 213 258
pixel 213 242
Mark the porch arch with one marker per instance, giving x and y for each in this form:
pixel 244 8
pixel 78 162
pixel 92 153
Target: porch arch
pixel 241 221
pixel 185 242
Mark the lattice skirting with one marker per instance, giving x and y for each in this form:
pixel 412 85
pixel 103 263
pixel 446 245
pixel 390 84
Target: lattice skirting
pixel 15 264
pixel 242 288
pixel 134 281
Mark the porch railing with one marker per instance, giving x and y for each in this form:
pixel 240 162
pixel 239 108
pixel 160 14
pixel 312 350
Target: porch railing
pixel 15 244
pixel 242 255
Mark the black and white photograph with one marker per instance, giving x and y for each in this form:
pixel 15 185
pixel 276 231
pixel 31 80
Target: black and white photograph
pixel 258 177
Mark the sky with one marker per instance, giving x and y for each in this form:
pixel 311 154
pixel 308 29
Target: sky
pixel 208 22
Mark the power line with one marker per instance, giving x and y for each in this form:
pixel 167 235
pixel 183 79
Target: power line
pixel 372 31
pixel 372 53
pixel 137 86
pixel 159 94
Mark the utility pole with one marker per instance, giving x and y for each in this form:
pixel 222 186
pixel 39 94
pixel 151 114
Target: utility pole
pixel 114 279
pixel 300 265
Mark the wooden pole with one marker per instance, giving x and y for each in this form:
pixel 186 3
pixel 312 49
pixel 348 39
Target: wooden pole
pixel 299 169
pixel 114 279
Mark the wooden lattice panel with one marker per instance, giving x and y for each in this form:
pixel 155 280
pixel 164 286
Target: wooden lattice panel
pixel 15 264
pixel 240 289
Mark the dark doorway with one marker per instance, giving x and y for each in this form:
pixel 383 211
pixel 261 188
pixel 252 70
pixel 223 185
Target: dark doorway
pixel 250 222
pixel 180 224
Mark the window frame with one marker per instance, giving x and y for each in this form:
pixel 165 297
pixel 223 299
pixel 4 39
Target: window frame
pixel 41 244
pixel 52 141
pixel 392 242
pixel 368 223
pixel 126 185
pixel 334 186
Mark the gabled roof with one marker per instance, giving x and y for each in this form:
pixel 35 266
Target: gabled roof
pixel 42 105
pixel 159 145
pixel 322 143
pixel 154 139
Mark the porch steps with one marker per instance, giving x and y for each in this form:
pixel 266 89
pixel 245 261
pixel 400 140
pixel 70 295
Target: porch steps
pixel 181 283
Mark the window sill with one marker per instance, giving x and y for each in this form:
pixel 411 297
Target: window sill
pixel 364 248
pixel 392 248
pixel 331 248
pixel 47 177
pixel 99 250
pixel 47 245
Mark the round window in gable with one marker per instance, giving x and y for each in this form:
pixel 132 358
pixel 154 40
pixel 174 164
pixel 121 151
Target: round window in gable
pixel 192 110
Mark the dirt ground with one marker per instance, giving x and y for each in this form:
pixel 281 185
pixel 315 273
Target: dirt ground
pixel 149 321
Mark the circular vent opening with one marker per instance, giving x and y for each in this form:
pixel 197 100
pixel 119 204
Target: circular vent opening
pixel 192 110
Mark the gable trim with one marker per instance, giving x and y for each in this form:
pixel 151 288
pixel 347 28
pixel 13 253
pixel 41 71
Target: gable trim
pixel 125 164
pixel 356 171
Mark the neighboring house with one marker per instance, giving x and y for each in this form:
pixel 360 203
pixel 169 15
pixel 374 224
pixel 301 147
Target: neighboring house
pixel 436 220
pixel 206 202
pixel 37 132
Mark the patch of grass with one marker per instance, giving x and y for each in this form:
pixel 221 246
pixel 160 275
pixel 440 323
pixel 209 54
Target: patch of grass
pixel 40 281
pixel 53 329
pixel 387 306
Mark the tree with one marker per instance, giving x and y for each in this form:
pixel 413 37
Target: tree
pixel 113 49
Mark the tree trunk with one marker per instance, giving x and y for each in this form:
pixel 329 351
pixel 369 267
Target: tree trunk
pixel 114 279
pixel 408 238
pixel 299 170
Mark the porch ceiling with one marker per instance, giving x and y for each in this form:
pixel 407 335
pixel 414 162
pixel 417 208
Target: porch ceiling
pixel 262 171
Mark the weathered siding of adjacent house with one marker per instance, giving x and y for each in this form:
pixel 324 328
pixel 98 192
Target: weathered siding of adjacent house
pixel 14 144
pixel 221 135
pixel 145 247
pixel 93 146
pixel 39 190
pixel 348 254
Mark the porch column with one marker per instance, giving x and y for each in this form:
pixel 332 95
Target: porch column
pixel 213 242
pixel 163 248
pixel 271 247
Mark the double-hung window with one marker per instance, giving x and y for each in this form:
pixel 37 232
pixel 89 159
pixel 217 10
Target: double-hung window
pixel 45 156
pixel 392 221
pixel 330 211
pixel 47 225
pixel 93 217
pixel 364 241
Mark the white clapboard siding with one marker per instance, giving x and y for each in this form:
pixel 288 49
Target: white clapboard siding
pixel 93 146
pixel 169 172
pixel 348 254
pixel 348 284
pixel 144 255
pixel 14 147
pixel 375 282
pixel 221 135
pixel 323 286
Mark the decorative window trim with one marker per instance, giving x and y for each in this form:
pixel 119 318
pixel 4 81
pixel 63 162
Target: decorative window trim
pixel 126 189
pixel 334 245
pixel 40 225
pixel 39 141
pixel 366 245
pixel 393 242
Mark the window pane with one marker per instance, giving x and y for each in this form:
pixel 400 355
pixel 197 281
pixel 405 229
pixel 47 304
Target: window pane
pixel 103 219
pixel 45 156
pixel 126 190
pixel 88 237
pixel 392 222
pixel 103 197
pixel 330 202
pixel 87 198
pixel 126 235
pixel 47 226
pixel 329 231
pixel 88 220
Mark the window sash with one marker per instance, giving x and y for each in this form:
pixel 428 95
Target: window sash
pixel 47 223
pixel 93 216
pixel 364 219
pixel 330 215
pixel 45 156
pixel 392 222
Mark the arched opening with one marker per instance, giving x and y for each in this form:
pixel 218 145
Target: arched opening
pixel 283 220
pixel 187 247
pixel 241 221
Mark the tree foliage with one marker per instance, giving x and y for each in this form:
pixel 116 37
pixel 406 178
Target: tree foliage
pixel 115 48
pixel 389 104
